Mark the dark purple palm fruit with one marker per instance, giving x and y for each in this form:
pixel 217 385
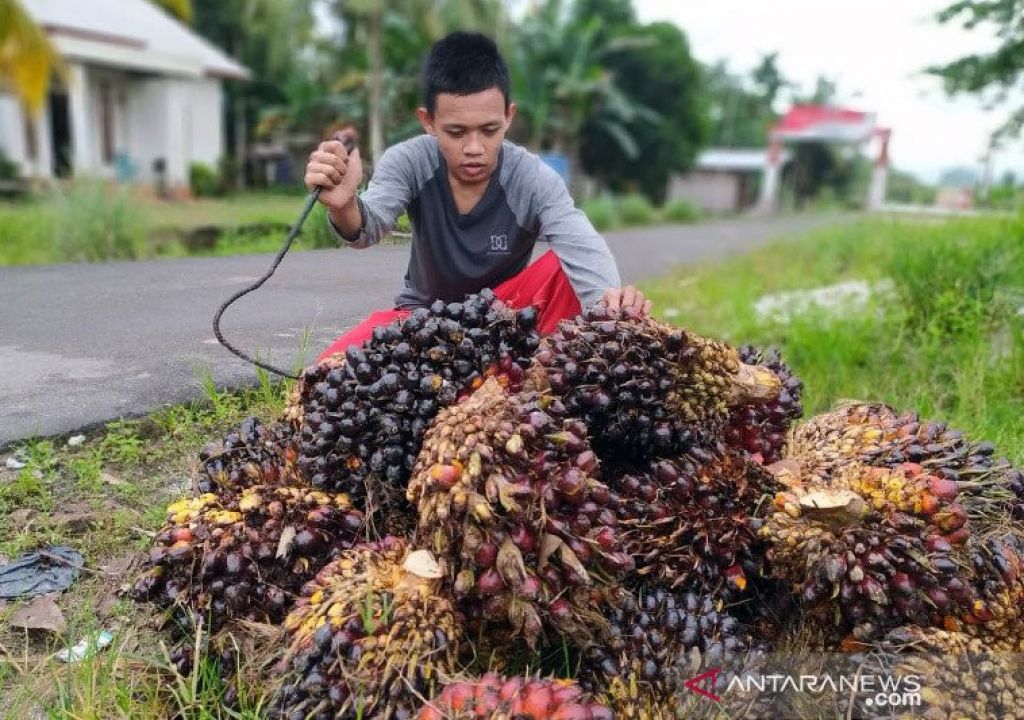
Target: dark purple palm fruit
pixel 251 454
pixel 653 633
pixel 363 415
pixel 643 388
pixel 760 428
pixel 244 556
pixel 693 524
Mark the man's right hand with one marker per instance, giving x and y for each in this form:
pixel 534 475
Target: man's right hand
pixel 337 171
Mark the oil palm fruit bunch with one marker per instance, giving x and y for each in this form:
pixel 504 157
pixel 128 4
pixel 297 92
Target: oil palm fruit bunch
pixel 630 699
pixel 876 434
pixel 996 613
pixel 494 697
pixel 363 417
pixel 251 454
pixel 505 489
pixel 643 387
pixel 760 428
pixel 244 555
pixel 861 569
pixel 693 524
pixel 653 634
pixel 370 637
pixel 959 676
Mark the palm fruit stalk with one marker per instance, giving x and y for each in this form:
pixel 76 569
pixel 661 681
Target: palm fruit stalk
pixel 370 637
pixel 662 637
pixel 494 697
pixel 505 489
pixel 693 524
pixel 760 428
pixel 645 388
pixel 858 568
pixel 364 414
pixel 251 454
pixel 244 555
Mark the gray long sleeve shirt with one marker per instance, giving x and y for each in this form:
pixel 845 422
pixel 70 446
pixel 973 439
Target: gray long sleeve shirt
pixel 455 254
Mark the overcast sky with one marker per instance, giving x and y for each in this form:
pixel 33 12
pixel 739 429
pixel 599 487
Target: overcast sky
pixel 873 49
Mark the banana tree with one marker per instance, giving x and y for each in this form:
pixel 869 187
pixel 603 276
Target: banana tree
pixel 574 85
pixel 27 59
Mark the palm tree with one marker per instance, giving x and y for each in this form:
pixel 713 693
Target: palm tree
pixel 27 59
pixel 386 41
pixel 561 82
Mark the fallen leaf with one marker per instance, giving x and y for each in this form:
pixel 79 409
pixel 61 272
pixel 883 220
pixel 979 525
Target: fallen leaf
pixel 119 566
pixel 22 517
pixel 40 614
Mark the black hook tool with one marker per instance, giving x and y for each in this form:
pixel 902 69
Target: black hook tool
pixel 349 142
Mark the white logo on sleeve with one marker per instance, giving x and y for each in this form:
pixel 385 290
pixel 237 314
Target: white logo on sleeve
pixel 499 243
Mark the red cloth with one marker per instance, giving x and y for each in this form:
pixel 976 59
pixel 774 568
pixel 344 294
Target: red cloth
pixel 542 284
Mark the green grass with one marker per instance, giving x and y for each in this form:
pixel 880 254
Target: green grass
pixel 614 213
pixel 125 474
pixel 949 344
pixel 90 222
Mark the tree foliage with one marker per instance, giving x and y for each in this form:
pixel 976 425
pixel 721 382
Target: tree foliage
pixel 996 74
pixel 659 75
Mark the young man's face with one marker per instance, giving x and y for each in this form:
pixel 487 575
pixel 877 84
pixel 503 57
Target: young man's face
pixel 469 130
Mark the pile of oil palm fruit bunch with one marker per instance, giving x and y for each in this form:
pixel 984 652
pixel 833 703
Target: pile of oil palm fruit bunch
pixel 463 519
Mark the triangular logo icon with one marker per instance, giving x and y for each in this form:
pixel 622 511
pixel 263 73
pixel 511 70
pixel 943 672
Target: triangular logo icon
pixel 696 681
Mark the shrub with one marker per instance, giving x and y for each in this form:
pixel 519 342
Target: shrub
pixel 227 171
pixel 94 223
pixel 636 210
pixel 680 211
pixel 8 168
pixel 602 213
pixel 315 232
pixel 203 180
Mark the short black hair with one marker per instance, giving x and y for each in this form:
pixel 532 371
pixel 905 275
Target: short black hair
pixel 463 63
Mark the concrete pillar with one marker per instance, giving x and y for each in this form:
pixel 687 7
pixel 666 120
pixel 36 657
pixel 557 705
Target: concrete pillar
pixel 768 201
pixel 44 142
pixel 176 148
pixel 83 148
pixel 879 173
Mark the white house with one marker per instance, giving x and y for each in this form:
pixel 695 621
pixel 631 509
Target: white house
pixel 723 180
pixel 141 92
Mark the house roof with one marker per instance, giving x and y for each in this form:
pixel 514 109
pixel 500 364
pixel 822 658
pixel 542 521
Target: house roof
pixel 824 122
pixel 132 34
pixel 735 159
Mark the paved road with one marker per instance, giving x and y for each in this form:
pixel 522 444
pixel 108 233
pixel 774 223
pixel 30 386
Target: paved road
pixel 84 344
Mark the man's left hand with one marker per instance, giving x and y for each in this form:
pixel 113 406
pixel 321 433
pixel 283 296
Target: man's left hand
pixel 627 298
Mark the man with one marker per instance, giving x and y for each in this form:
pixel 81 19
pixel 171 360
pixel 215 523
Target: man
pixel 476 202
